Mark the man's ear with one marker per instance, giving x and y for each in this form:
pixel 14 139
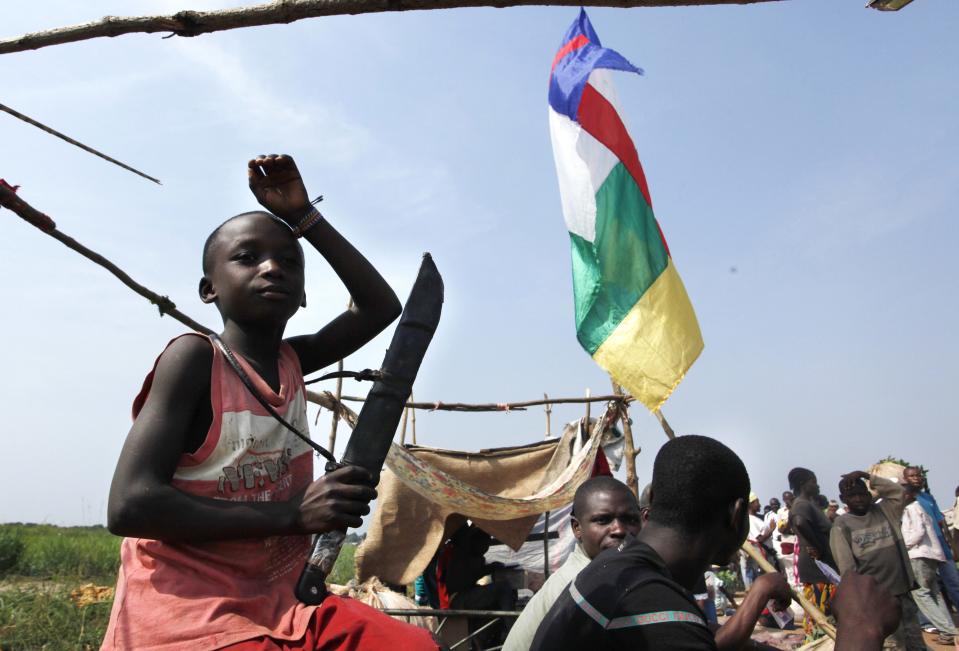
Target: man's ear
pixel 739 519
pixel 207 293
pixel 577 531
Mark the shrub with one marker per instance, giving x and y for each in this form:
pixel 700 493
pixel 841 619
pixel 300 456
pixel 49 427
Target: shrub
pixel 11 548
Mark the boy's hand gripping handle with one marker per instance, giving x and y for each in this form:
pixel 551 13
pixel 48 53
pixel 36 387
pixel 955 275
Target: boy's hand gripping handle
pixel 378 419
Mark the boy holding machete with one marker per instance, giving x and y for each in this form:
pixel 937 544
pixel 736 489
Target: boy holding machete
pixel 215 496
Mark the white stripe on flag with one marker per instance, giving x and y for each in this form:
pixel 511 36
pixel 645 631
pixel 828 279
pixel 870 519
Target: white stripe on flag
pixel 582 164
pixel 601 80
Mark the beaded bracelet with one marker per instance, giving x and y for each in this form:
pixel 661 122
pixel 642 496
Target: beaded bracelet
pixel 311 219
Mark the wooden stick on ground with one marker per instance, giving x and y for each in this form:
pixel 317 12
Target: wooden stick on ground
pixel 811 610
pixel 54 132
pixel 193 23
pixel 9 200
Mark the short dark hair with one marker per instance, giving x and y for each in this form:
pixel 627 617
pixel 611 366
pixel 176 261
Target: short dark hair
pixel 695 479
pixel 598 484
pixel 211 238
pixel 852 487
pixel 797 477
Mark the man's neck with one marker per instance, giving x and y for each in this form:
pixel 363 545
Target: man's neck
pixel 686 557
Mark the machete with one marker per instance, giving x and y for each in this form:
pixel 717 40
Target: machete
pixel 376 424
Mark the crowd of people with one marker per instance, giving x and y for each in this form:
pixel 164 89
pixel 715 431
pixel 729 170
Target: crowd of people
pixel 890 529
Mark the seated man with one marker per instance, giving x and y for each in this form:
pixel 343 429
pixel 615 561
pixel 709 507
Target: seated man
pixel 604 512
pixel 638 596
pixel 460 564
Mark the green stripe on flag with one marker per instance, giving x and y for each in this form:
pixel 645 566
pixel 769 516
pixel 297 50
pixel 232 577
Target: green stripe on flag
pixel 613 272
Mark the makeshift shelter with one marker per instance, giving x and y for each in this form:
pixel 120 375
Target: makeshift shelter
pixel 504 491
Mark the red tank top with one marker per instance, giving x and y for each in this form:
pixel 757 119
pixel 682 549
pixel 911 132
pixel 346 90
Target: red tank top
pixel 211 594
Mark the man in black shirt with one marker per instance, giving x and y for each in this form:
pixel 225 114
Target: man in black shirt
pixel 638 596
pixel 812 530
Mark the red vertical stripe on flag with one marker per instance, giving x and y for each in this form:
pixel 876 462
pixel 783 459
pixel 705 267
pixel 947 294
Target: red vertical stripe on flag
pixel 600 119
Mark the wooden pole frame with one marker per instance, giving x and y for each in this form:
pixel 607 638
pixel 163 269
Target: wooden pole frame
pixel 629 450
pixel 193 23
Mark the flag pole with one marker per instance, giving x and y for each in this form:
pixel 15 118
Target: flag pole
pixel 670 434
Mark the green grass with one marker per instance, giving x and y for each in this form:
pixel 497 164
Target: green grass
pixel 41 564
pixel 344 568
pixel 42 616
pixel 83 553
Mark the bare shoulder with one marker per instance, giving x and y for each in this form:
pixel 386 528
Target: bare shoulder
pixel 183 368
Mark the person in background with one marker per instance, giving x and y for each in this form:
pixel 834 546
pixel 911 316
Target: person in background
pixel 605 511
pixel 784 542
pixel 773 507
pixel 758 534
pixel 955 528
pixel 771 523
pixel 913 476
pixel 868 540
pixel 832 510
pixel 812 530
pixel 925 555
pixel 822 502
pixel 460 564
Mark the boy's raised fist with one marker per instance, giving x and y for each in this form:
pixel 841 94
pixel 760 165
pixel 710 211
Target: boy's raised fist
pixel 277 185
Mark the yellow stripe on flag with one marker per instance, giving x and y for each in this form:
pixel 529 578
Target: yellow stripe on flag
pixel 651 349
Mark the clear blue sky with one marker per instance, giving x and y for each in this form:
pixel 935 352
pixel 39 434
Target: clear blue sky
pixel 811 145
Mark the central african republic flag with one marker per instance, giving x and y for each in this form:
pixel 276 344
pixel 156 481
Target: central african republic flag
pixel 632 312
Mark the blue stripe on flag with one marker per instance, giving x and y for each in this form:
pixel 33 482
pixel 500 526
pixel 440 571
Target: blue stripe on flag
pixel 569 77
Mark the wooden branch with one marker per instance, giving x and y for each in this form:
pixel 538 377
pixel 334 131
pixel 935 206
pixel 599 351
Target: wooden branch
pixel 193 23
pixel 548 408
pixel 339 394
pixel 629 449
pixel 503 406
pixel 9 200
pixel 327 400
pixel 413 418
pixel 54 132
pixel 406 415
pixel 817 615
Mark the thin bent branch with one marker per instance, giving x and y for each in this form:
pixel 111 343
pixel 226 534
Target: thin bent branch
pixel 76 143
pixel 10 200
pixel 194 23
